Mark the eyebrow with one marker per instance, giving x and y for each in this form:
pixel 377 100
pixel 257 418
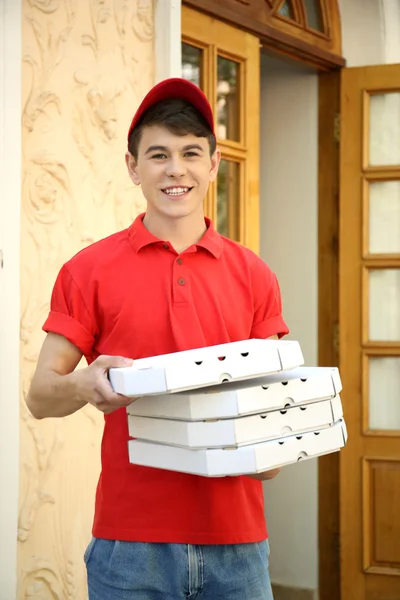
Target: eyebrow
pixel 165 149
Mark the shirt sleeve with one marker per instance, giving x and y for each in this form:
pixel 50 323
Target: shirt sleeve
pixel 69 315
pixel 268 319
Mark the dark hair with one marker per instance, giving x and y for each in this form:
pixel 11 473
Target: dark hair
pixel 179 117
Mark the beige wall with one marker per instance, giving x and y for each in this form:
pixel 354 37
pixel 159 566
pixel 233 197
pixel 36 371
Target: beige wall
pixel 85 67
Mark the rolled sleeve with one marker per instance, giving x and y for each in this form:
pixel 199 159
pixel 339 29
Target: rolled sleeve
pixel 269 327
pixel 69 314
pixel 71 329
pixel 268 319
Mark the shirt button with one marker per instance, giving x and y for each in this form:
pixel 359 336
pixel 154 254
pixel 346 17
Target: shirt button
pixel 179 261
pixel 165 246
pixel 181 281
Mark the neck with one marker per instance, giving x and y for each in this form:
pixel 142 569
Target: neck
pixel 181 233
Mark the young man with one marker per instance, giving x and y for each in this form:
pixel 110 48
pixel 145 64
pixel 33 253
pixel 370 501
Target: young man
pixel 168 283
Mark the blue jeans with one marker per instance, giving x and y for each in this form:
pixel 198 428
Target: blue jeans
pixel 148 571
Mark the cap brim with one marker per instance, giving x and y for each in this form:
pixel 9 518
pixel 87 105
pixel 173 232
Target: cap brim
pixel 175 88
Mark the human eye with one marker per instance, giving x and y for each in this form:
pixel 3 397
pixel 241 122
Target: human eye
pixel 191 153
pixel 159 156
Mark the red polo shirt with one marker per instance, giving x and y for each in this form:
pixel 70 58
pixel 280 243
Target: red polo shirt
pixel 132 295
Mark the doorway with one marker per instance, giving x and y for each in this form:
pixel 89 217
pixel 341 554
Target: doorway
pixel 289 245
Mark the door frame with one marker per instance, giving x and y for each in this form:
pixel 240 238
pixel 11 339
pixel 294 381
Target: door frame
pixel 10 195
pixel 328 322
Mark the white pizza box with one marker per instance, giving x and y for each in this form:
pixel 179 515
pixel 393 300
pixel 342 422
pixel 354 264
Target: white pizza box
pixel 246 460
pixel 240 431
pixel 205 366
pixel 238 398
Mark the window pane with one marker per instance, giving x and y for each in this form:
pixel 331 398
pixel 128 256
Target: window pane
pixel 384 217
pixel 228 187
pixel 384 129
pixel 192 63
pixel 286 10
pixel 384 305
pixel 228 115
pixel 384 393
pixel 314 14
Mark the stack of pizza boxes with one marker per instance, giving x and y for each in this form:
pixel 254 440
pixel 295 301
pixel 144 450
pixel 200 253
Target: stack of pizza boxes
pixel 233 409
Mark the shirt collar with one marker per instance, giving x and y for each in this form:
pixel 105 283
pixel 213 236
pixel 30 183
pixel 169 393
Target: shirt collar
pixel 140 237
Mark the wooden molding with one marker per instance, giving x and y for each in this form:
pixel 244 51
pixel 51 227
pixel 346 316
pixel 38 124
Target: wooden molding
pixel 258 17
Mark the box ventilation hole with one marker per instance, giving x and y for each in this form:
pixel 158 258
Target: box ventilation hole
pixel 244 354
pixel 303 407
pixel 303 380
pixel 301 456
pixel 221 357
pixel 284 382
pixel 263 416
pixel 225 377
pixel 198 362
pixel 265 387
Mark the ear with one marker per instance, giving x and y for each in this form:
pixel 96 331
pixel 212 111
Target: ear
pixel 132 168
pixel 215 160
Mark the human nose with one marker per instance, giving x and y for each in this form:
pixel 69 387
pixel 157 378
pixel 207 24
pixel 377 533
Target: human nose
pixel 176 167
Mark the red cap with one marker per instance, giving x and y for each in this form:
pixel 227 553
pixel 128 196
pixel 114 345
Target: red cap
pixel 175 88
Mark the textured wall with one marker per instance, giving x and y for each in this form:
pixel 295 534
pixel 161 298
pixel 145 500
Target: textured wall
pixel 86 64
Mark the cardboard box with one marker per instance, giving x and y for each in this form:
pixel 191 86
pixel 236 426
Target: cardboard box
pixel 240 431
pixel 239 398
pixel 246 460
pixel 205 366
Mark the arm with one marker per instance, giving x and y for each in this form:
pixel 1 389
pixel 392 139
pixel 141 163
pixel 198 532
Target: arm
pixel 57 390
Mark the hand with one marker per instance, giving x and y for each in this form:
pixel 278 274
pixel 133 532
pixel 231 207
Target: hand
pixel 265 475
pixel 93 386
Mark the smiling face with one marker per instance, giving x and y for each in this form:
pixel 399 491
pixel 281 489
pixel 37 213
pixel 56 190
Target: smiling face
pixel 173 170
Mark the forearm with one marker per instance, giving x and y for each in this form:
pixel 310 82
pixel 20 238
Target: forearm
pixel 54 395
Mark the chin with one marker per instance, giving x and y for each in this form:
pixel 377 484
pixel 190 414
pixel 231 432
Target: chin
pixel 178 211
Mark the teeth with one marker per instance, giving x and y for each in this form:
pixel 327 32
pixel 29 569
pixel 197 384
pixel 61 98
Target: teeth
pixel 176 191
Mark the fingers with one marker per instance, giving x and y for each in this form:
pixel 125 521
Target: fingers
pixel 265 475
pixel 105 399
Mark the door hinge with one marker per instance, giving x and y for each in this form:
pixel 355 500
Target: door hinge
pixel 335 339
pixel 336 127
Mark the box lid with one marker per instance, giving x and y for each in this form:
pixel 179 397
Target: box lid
pixel 239 398
pixel 205 366
pixel 246 460
pixel 240 431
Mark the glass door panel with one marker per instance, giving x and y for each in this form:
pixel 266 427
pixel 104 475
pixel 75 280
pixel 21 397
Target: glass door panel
pixel 384 217
pixel 384 393
pixel 384 129
pixel 384 305
pixel 228 199
pixel 228 95
pixel 192 64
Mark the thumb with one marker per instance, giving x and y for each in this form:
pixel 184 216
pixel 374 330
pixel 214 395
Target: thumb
pixel 109 362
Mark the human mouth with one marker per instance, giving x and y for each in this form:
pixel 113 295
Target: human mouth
pixel 177 191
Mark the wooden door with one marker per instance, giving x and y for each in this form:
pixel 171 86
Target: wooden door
pixel 225 63
pixel 369 314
